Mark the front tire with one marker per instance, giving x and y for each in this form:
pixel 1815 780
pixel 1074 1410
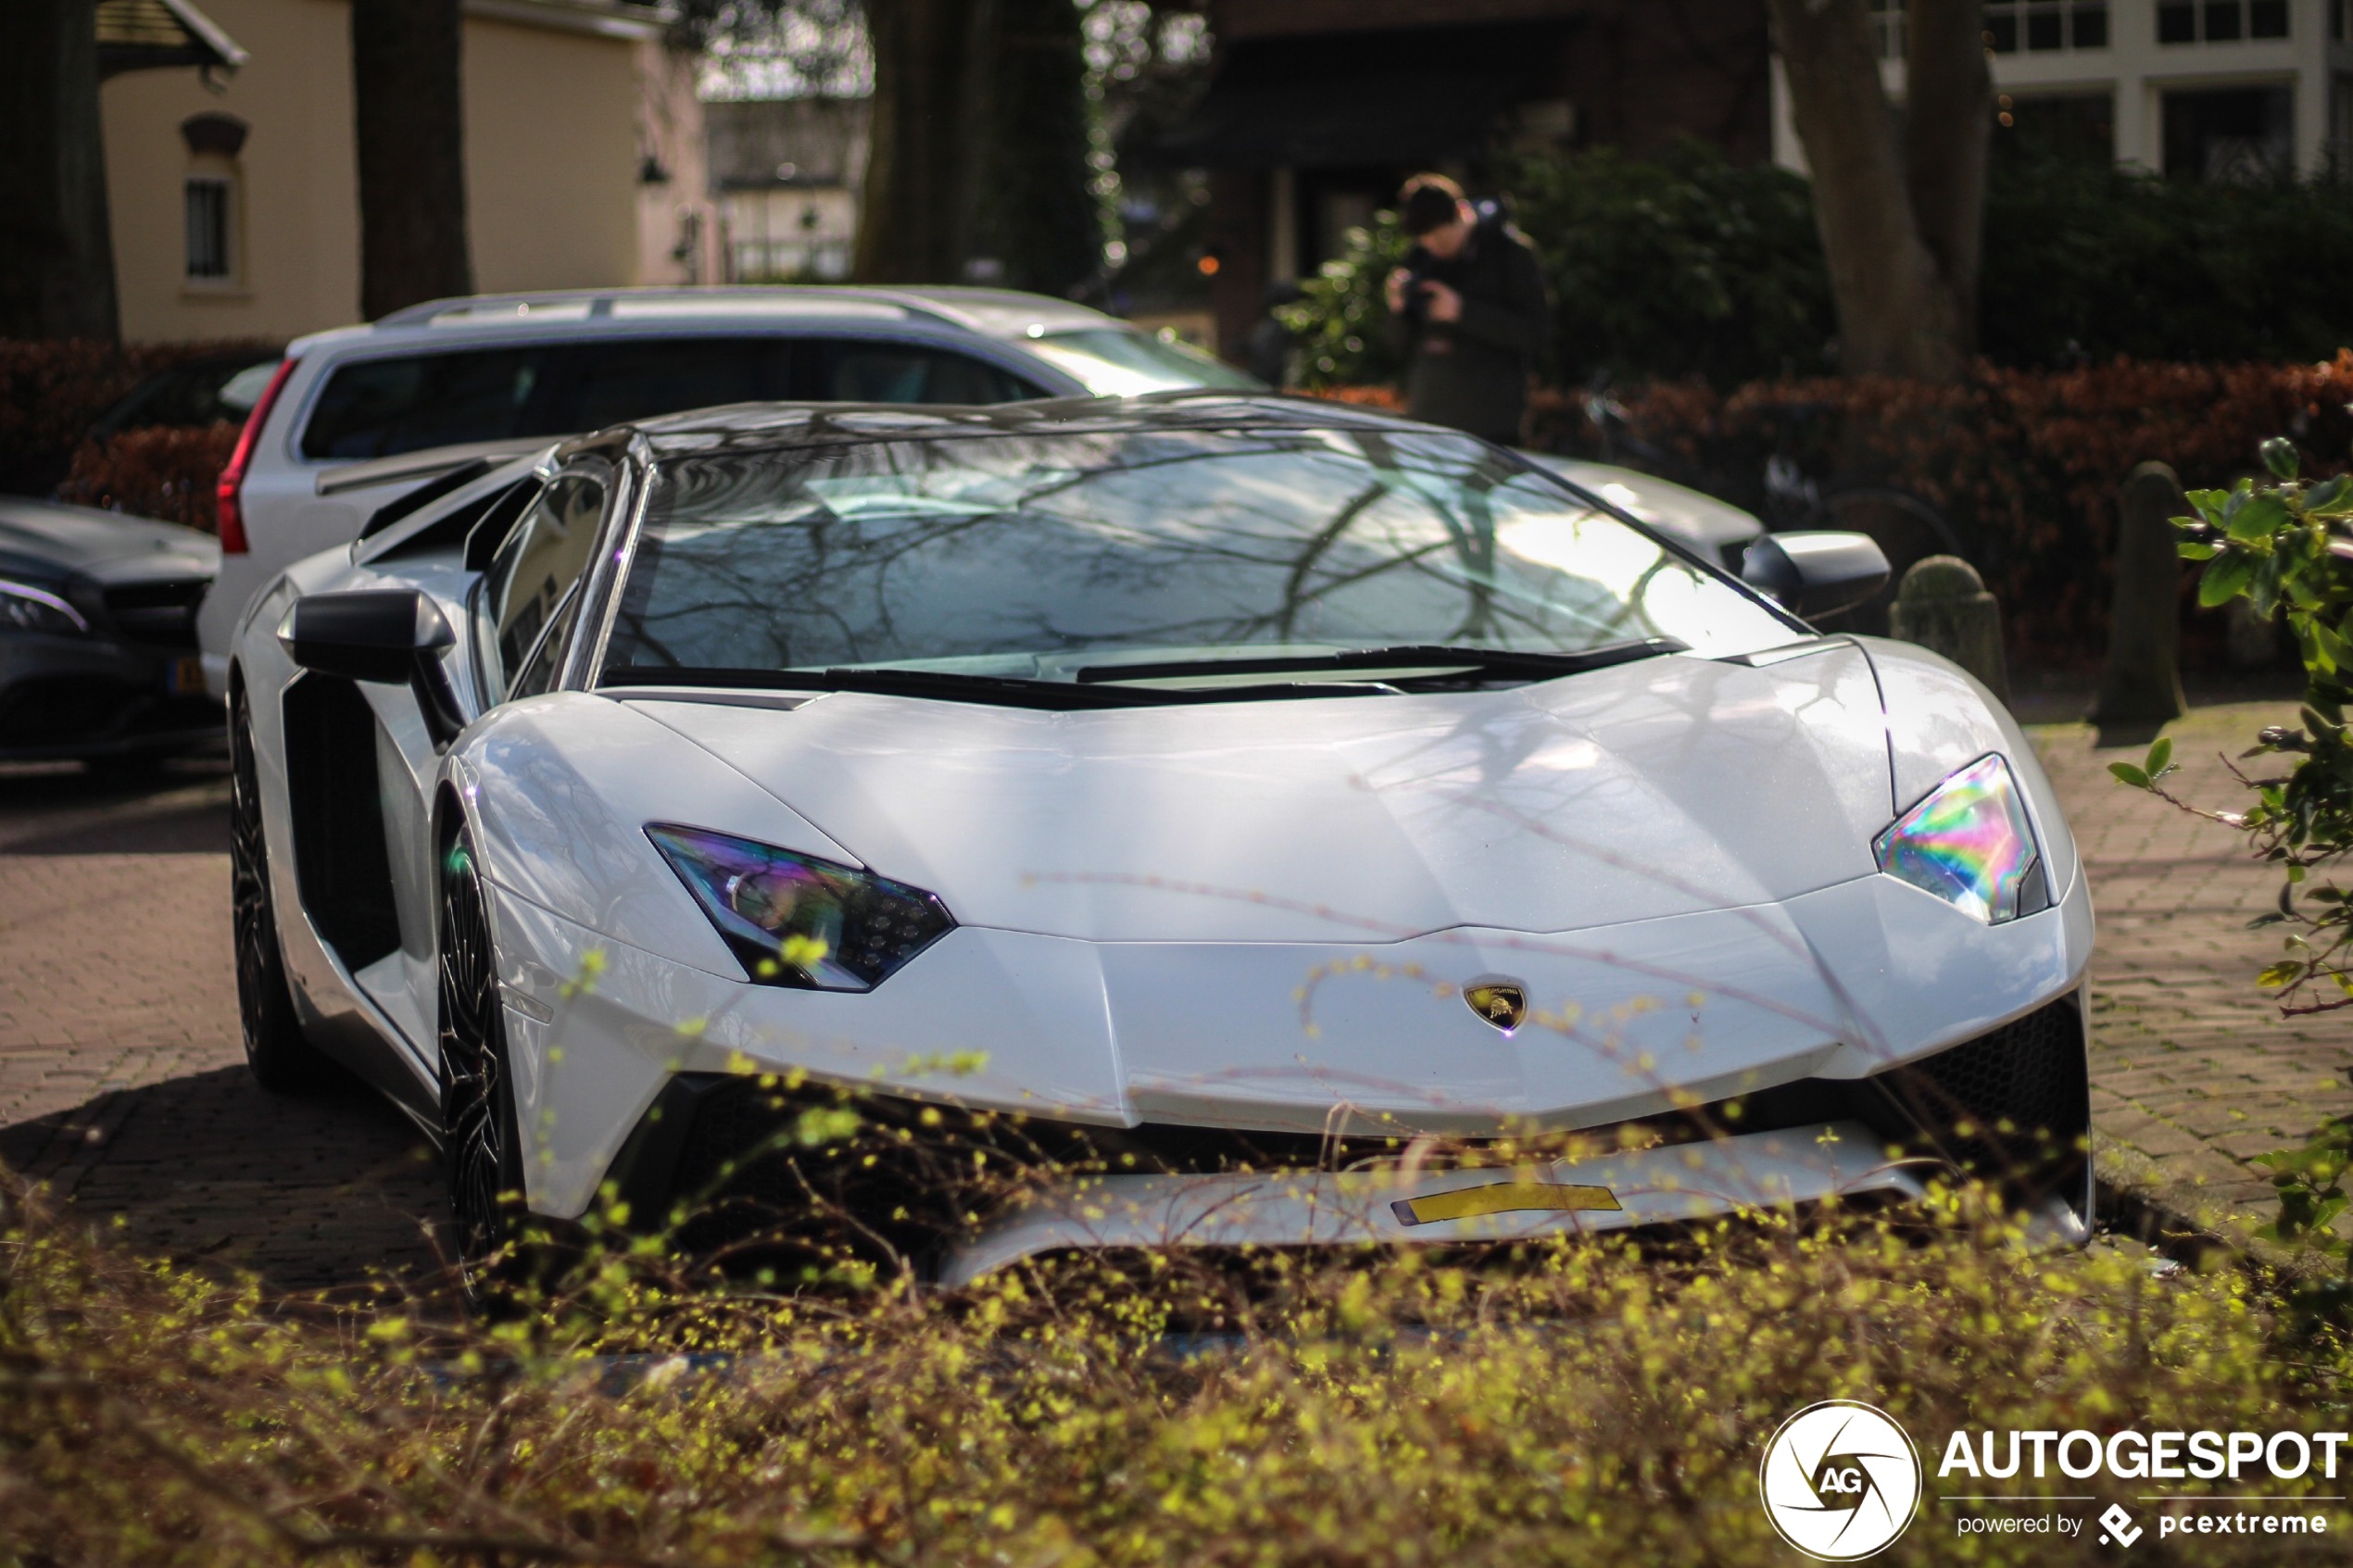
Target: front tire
pixel 481 1146
pixel 276 1052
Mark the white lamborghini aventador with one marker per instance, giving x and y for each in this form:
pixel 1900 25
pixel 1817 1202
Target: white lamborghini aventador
pixel 1259 795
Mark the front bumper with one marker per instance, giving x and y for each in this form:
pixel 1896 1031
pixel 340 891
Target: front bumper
pixel 1835 986
pixel 88 697
pixel 831 1175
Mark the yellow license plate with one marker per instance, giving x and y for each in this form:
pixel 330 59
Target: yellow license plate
pixel 1504 1197
pixel 187 674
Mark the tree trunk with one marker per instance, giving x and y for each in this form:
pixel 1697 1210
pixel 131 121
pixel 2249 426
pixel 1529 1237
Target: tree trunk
pixel 1899 313
pixel 1949 127
pixel 1037 213
pixel 915 220
pixel 410 132
pixel 57 256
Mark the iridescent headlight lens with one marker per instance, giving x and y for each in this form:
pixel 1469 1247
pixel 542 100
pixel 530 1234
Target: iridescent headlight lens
pixel 1969 844
pixel 794 920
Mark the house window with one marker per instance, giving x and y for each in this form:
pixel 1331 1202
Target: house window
pixel 2223 21
pixel 2079 127
pixel 1887 21
pixel 2240 135
pixel 2044 26
pixel 210 199
pixel 208 209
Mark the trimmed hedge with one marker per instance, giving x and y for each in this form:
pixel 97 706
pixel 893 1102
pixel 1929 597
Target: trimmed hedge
pixel 2025 464
pixel 167 472
pixel 53 390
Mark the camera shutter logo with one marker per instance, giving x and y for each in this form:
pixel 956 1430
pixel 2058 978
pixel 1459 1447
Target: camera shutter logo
pixel 1840 1481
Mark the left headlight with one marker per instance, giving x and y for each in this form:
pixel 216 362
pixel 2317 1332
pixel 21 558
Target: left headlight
pixel 794 920
pixel 1969 844
pixel 24 607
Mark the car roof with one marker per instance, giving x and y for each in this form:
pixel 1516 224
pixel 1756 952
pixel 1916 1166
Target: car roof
pixel 765 426
pixel 996 313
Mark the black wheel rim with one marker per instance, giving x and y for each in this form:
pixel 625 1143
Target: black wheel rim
pixel 255 928
pixel 476 1123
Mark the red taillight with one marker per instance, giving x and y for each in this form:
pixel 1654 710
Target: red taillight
pixel 232 478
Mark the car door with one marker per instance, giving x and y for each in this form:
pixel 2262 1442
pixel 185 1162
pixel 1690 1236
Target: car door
pixel 512 619
pixel 531 590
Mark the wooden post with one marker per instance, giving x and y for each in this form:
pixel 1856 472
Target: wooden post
pixel 1941 605
pixel 2142 688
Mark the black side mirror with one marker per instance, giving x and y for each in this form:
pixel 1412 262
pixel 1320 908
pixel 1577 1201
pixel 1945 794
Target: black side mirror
pixel 1815 574
pixel 391 636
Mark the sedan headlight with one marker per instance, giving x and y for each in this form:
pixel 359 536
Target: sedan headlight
pixel 794 920
pixel 24 607
pixel 1969 844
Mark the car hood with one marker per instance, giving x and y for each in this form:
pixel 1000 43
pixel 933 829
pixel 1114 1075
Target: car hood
pixel 103 545
pixel 1647 790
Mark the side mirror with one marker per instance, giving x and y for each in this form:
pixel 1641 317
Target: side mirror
pixel 1814 574
pixel 391 636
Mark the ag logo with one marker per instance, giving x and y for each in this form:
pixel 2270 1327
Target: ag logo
pixel 1840 1481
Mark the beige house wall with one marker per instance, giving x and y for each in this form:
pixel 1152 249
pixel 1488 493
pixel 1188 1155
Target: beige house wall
pixel 295 245
pixel 551 158
pixel 552 167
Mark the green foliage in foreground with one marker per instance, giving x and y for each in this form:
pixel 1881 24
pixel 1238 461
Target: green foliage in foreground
pixel 2285 547
pixel 1598 1405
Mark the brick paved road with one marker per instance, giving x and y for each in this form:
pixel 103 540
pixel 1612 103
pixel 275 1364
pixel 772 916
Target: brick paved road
pixel 121 1084
pixel 2193 1071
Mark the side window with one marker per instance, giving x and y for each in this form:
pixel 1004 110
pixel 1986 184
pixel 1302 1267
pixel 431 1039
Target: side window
pixel 381 407
pixel 847 371
pixel 541 562
pixel 539 675
pixel 607 383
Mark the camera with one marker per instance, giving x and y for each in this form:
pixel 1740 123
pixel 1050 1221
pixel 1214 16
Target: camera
pixel 1417 301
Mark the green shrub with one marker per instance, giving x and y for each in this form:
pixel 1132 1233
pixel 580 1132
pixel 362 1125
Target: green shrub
pixel 1604 1403
pixel 2286 547
pixel 1689 266
pixel 2091 261
pixel 1340 322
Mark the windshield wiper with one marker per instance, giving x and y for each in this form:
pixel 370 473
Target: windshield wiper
pixel 1003 691
pixel 1412 656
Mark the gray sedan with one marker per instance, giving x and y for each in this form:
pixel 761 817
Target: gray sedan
pixel 98 634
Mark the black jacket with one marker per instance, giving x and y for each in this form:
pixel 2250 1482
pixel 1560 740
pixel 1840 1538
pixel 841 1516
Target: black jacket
pixel 1472 374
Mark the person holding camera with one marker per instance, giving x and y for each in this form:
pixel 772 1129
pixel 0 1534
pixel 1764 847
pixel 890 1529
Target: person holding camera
pixel 1469 310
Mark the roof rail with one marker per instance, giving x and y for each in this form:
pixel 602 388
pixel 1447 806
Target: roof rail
pixel 600 301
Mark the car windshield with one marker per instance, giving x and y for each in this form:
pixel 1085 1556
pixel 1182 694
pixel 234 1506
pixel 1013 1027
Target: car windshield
pixel 1070 558
pixel 1123 362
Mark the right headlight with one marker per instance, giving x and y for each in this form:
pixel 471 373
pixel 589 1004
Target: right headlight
pixel 1969 844
pixel 24 607
pixel 795 919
